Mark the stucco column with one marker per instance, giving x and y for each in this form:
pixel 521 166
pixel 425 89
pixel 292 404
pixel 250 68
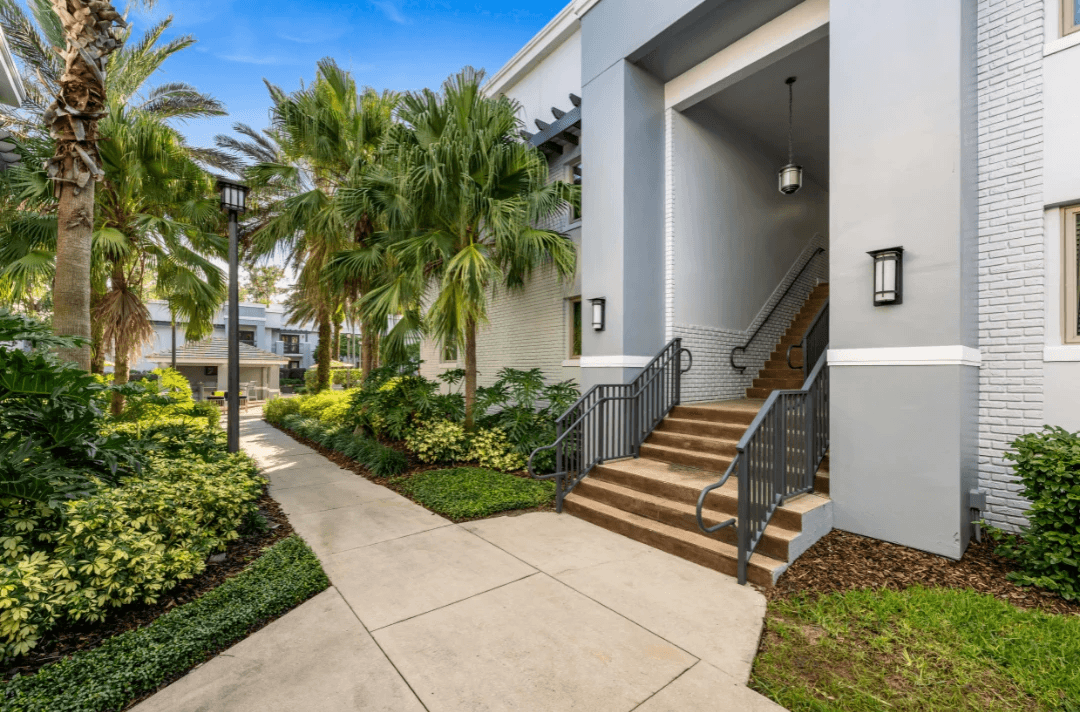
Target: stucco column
pixel 904 378
pixel 622 221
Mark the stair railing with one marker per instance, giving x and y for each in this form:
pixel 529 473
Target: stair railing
pixel 775 306
pixel 611 421
pixel 778 456
pixel 815 341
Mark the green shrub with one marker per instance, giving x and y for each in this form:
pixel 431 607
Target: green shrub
pixel 490 448
pixel 1048 464
pixel 51 442
pixel 469 492
pixel 392 405
pixel 337 413
pixel 381 460
pixel 124 544
pixel 276 410
pixel 148 404
pixel 313 406
pixel 131 664
pixel 339 375
pixel 439 441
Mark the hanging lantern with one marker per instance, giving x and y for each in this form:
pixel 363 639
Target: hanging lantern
pixel 791 174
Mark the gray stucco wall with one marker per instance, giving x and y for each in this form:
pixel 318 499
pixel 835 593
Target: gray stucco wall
pixel 903 122
pixel 623 213
pixel 736 235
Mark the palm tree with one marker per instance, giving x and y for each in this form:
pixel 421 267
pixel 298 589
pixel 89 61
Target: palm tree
pixel 461 196
pixel 155 221
pixel 91 34
pixel 325 137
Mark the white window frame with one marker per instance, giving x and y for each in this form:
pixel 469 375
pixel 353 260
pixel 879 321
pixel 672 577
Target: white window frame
pixel 1070 280
pixel 570 355
pixel 1068 18
pixel 575 219
pixel 443 353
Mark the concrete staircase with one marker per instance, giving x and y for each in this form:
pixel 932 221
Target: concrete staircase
pixel 776 374
pixel 653 498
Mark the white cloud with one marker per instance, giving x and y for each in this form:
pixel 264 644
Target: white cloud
pixel 391 10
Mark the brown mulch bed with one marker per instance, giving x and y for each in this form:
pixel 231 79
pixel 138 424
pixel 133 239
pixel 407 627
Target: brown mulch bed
pixel 61 642
pixel 842 561
pixel 415 468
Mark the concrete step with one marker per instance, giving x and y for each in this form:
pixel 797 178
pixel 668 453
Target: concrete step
pixel 684 485
pixel 694 443
pixel 789 383
pixel 781 373
pixel 758 392
pixel 686 458
pixel 774 543
pixel 698 548
pixel 730 412
pixel 702 428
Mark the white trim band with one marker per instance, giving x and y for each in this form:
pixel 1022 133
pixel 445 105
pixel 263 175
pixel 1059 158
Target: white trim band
pixel 1061 353
pixel 619 361
pixel 907 356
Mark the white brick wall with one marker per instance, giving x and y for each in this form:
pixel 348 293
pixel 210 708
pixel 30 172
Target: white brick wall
pixel 712 377
pixel 1011 268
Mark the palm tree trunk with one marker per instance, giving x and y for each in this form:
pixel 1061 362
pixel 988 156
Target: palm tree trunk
pixel 337 340
pixel 121 354
pixel 369 349
pixel 470 373
pixel 322 381
pixel 92 34
pixel 97 336
pixel 71 288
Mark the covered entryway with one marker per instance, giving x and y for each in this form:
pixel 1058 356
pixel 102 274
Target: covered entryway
pixel 205 364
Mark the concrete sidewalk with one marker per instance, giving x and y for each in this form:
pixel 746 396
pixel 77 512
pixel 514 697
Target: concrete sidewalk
pixel 532 612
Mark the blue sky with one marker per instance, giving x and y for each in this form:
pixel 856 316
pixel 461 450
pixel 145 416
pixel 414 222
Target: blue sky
pixel 392 44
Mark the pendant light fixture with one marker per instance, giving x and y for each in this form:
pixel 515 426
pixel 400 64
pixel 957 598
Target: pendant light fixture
pixel 791 174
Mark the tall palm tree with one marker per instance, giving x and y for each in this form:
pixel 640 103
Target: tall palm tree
pixel 462 197
pixel 327 136
pixel 155 221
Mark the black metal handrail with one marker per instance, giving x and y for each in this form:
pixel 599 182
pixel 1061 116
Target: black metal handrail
pixel 814 341
pixel 612 420
pixel 775 459
pixel 744 347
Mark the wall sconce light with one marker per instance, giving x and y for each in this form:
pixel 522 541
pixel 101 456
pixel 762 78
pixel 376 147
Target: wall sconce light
pixel 888 276
pixel 598 313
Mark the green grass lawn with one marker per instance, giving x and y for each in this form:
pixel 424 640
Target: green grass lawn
pixel 470 492
pixel 918 649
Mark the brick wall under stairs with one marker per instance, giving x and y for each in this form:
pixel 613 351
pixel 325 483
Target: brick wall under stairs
pixel 653 498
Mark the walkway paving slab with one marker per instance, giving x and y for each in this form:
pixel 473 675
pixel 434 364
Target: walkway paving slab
pixel 555 543
pixel 306 472
pixel 394 580
pixel 703 687
pixel 533 645
pixel 335 494
pixel 705 613
pixel 338 530
pixel 317 657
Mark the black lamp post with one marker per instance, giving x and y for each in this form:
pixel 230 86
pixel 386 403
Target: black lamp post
pixel 233 201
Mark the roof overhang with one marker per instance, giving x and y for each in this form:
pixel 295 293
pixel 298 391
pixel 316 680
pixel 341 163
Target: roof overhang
pixel 180 361
pixel 12 91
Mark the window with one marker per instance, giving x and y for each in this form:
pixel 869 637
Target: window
pixel 575 178
pixel 575 327
pixel 210 371
pixel 292 343
pixel 294 365
pixel 1070 16
pixel 449 354
pixel 247 336
pixel 1071 275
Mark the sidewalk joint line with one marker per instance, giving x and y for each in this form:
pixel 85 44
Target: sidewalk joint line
pixel 669 684
pixel 454 603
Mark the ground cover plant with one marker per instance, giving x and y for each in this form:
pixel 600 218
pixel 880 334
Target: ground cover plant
pixel 472 492
pixel 860 624
pixel 139 661
pixel 917 649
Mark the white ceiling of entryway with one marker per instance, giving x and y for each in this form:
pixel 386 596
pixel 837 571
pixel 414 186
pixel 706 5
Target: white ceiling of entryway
pixel 758 105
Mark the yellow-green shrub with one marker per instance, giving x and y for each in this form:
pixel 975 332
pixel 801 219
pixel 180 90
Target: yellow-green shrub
pixel 491 448
pixel 313 406
pixel 337 413
pixel 125 544
pixel 439 441
pixel 276 410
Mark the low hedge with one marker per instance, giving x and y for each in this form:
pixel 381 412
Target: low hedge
pixel 471 492
pixel 133 663
pixel 381 460
pixel 121 545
